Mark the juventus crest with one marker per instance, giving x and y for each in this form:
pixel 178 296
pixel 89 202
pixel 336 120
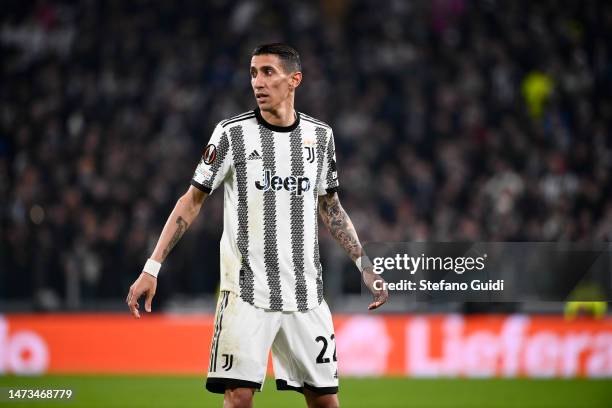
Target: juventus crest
pixel 311 154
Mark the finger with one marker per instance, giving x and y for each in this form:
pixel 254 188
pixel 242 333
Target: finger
pixel 379 300
pixel 148 301
pixel 134 309
pixel 133 303
pixel 128 297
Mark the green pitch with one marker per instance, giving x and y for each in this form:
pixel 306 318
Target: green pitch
pixel 171 391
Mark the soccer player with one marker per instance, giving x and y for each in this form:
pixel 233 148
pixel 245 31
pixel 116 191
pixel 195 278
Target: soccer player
pixel 278 169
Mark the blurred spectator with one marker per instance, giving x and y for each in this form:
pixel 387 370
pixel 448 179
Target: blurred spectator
pixel 475 120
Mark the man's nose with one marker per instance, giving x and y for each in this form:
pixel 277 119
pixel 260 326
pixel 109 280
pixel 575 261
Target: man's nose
pixel 258 82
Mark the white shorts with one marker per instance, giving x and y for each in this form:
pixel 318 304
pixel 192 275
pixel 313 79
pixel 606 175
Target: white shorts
pixel 303 348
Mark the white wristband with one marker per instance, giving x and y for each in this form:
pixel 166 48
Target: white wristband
pixel 152 267
pixel 363 262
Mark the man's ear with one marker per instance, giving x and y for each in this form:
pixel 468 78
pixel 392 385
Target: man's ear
pixel 296 80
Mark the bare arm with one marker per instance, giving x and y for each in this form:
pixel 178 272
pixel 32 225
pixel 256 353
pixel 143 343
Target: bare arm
pixel 185 211
pixel 339 225
pixel 341 228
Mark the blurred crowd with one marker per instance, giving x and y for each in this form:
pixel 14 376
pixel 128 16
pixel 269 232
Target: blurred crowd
pixel 454 120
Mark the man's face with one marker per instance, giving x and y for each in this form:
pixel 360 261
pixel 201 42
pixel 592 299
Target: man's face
pixel 271 84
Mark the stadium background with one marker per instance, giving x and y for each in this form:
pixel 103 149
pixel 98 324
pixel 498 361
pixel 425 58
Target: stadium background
pixel 454 120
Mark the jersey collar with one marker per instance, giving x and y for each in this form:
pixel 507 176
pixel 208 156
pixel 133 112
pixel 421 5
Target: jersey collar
pixel 275 128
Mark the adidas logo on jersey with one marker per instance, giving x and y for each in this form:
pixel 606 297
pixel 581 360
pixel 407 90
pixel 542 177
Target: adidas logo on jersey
pixel 254 155
pixel 298 184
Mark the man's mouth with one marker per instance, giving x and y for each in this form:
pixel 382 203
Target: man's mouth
pixel 261 96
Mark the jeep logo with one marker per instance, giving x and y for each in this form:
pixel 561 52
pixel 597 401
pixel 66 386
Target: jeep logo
pixel 291 183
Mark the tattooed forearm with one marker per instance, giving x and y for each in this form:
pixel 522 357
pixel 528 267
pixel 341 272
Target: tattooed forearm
pixel 181 227
pixel 339 224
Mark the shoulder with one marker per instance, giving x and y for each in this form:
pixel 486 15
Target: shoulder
pixel 315 122
pixel 226 123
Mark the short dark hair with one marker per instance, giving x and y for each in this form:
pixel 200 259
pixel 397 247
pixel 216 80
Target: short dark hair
pixel 289 57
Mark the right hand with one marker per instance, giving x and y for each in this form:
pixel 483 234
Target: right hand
pixel 145 285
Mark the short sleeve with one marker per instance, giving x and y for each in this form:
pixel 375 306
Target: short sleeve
pixel 215 162
pixel 328 182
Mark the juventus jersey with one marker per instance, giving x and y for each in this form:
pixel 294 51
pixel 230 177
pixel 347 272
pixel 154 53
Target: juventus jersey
pixel 273 177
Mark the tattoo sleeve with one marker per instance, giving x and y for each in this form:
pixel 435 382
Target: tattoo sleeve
pixel 181 227
pixel 339 224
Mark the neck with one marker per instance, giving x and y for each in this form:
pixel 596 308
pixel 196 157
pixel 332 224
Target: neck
pixel 283 115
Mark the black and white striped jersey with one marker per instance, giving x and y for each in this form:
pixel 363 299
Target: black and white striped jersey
pixel 272 176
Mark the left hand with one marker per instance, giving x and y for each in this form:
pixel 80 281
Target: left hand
pixel 380 295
